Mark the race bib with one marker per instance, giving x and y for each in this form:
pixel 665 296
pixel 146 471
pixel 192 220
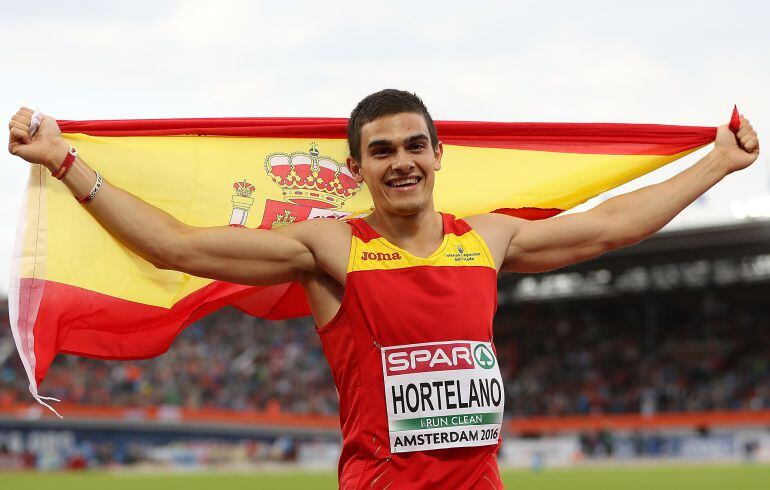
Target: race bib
pixel 442 395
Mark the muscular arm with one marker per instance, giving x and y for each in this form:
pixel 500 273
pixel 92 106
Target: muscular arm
pixel 258 257
pixel 536 246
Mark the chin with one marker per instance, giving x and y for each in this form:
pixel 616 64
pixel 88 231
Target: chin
pixel 408 208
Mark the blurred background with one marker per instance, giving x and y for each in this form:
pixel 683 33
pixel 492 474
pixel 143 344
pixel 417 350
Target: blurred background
pixel 653 356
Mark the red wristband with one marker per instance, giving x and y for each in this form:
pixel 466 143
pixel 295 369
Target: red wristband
pixel 66 164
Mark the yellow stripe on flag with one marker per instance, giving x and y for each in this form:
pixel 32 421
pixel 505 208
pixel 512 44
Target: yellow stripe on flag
pixel 192 177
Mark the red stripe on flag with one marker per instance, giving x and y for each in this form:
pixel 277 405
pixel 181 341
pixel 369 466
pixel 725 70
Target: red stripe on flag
pixel 586 138
pixel 90 324
pixel 735 120
pixel 529 213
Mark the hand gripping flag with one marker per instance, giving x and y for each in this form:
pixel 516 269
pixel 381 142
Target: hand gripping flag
pixel 76 290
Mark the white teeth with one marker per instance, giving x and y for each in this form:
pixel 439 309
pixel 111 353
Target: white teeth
pixel 400 182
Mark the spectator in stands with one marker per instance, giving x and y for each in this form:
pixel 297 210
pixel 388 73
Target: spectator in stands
pixel 685 352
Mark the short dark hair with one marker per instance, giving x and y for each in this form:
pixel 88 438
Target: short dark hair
pixel 385 103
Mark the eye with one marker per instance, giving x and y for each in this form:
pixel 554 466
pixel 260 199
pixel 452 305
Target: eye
pixel 381 152
pixel 417 147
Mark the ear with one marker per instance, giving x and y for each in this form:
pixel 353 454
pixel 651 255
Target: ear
pixel 355 169
pixel 438 154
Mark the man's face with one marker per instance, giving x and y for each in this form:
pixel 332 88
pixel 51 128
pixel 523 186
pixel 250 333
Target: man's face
pixel 398 163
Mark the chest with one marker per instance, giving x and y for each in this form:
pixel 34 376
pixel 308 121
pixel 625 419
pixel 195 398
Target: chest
pixel 402 299
pixel 425 305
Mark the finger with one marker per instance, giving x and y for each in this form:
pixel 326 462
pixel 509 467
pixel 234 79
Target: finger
pixel 21 135
pixel 26 110
pixel 16 136
pixel 747 138
pixel 18 125
pixel 20 120
pixel 745 129
pixel 751 144
pixel 745 122
pixel 22 117
pixel 743 139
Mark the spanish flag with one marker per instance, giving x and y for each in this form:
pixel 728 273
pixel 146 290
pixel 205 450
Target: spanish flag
pixel 76 290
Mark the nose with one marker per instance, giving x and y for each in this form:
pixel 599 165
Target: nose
pixel 403 162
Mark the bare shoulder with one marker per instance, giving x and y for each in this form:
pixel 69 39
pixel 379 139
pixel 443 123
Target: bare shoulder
pixel 497 230
pixel 495 225
pixel 320 235
pixel 318 232
pixel 327 239
pixel 490 219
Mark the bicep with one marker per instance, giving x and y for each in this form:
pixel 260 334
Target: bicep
pixel 243 255
pixel 553 243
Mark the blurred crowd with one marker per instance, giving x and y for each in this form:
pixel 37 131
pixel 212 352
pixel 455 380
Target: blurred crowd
pixel 226 360
pixel 680 352
pixel 188 453
pixel 688 351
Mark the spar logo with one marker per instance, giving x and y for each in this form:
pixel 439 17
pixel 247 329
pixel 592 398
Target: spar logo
pixel 484 356
pixel 434 357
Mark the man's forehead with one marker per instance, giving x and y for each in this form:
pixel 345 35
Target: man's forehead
pixel 394 127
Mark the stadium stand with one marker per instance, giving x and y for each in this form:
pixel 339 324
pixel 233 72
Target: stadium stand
pixel 686 352
pixel 692 351
pixel 227 360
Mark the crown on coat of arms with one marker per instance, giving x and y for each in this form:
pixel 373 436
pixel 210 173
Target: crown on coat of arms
pixel 243 188
pixel 309 179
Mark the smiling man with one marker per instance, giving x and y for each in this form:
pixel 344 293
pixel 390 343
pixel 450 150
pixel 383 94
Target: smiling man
pixel 405 316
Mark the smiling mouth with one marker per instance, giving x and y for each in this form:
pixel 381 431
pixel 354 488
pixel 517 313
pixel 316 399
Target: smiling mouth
pixel 404 182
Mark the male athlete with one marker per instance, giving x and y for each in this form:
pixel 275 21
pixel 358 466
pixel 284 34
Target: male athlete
pixel 405 317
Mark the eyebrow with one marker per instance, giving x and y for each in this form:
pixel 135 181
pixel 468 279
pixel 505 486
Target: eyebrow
pixel 411 139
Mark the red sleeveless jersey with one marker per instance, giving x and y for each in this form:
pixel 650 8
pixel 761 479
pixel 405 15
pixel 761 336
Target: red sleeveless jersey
pixel 410 350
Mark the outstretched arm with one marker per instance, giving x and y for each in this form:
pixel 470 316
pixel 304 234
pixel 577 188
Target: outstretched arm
pixel 246 256
pixel 536 246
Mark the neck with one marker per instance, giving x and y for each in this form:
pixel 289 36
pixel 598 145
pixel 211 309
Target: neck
pixel 422 231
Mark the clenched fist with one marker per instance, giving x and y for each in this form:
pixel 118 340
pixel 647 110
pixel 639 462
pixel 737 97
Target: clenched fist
pixel 740 149
pixel 46 147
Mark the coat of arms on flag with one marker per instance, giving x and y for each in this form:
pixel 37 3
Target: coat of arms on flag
pixel 312 186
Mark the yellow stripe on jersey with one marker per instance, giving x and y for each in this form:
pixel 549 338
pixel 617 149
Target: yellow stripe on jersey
pixel 466 250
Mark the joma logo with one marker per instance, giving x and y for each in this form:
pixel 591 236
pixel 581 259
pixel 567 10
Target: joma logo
pixel 380 256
